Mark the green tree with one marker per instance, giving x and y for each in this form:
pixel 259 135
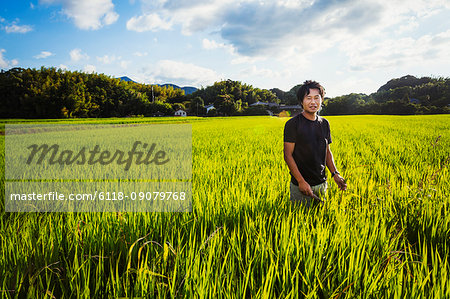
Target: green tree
pixel 197 106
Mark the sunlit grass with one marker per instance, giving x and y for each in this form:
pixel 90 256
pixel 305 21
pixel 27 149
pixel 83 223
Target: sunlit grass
pixel 386 236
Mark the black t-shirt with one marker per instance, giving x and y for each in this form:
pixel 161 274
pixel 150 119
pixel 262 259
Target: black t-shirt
pixel 311 139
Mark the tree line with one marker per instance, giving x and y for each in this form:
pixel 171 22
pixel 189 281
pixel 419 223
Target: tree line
pixel 405 95
pixel 56 93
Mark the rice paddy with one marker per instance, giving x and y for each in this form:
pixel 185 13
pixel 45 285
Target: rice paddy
pixel 388 235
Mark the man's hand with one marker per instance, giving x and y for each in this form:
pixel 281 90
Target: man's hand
pixel 305 188
pixel 340 181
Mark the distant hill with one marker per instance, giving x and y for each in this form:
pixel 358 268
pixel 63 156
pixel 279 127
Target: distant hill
pixel 407 80
pixel 187 89
pixel 125 78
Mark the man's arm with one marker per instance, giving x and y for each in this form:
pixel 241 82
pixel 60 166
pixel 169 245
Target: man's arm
pixel 330 164
pixel 303 186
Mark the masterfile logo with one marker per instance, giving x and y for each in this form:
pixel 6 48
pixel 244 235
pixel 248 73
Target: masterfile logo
pixel 98 168
pixel 162 151
pixel 146 155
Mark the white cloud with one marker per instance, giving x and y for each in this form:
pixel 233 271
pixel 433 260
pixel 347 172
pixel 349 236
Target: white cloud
pixel 272 28
pixel 212 45
pixel 106 59
pixel 88 14
pixel 253 71
pixel 140 54
pixel 241 59
pixel 110 18
pixel 124 63
pixel 353 84
pixel 148 22
pixel 89 68
pixel 63 67
pixel 3 62
pixel 77 55
pixel 6 64
pixel 393 53
pixel 180 73
pixel 18 28
pixel 13 27
pixel 44 54
pixel 109 59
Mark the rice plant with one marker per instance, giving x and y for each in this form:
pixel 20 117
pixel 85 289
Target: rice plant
pixel 387 236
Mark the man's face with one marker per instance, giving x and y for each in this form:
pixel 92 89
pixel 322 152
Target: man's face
pixel 312 101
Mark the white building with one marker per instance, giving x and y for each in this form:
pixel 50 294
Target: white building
pixel 180 112
pixel 209 107
pixel 264 104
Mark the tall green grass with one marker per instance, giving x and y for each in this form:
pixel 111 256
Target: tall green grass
pixel 386 236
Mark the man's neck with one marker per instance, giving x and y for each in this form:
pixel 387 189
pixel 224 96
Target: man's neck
pixel 310 116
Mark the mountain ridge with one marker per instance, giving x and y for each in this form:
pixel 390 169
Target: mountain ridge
pixel 187 89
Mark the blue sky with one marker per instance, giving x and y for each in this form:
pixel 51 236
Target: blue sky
pixel 348 46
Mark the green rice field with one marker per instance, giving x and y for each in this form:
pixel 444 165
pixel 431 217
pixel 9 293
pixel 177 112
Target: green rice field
pixel 387 236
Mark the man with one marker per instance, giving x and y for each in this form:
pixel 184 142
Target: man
pixel 307 151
